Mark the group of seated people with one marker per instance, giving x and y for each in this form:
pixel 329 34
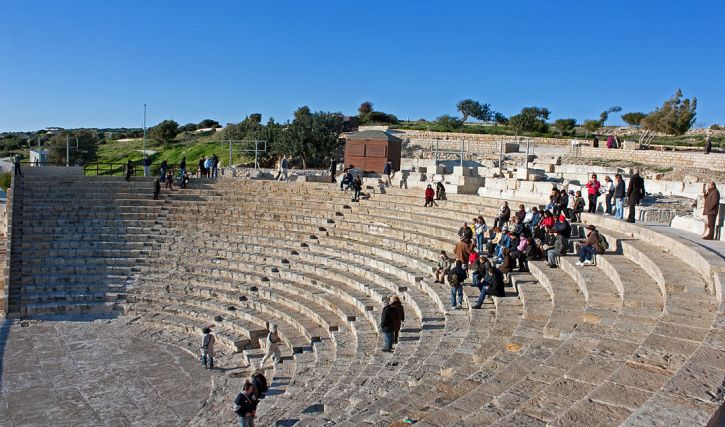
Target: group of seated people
pixel 527 235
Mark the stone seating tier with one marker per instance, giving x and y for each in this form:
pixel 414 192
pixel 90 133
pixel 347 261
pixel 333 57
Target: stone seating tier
pixel 622 342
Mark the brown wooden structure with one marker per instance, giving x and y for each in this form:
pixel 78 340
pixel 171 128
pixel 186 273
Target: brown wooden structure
pixel 369 150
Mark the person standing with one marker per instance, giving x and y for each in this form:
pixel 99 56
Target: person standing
pixel 400 319
pixel 609 193
pixel 708 143
pixel 271 347
pixel 146 166
pixel 200 168
pixel 593 192
pixel 215 166
pixel 388 319
pixel 245 405
pixel 207 348
pixel 182 166
pixel 618 196
pixel 163 168
pixel 357 188
pixel 157 188
pixel 712 206
pixel 129 170
pixel 635 193
pixel 388 171
pixel 169 180
pixel 16 162
pixel 283 169
pixel 595 142
pixel 456 277
pixel 333 171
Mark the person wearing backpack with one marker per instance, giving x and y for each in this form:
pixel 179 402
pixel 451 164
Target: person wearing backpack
pixel 272 350
pixel 388 320
pixel 456 277
pixel 245 405
pixel 207 348
pixel 590 247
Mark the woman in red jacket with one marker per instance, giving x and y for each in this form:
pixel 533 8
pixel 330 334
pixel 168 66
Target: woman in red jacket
pixel 429 196
pixel 593 187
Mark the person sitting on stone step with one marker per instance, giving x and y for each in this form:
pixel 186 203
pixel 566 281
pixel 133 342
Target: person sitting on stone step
pixel 504 213
pixel 521 214
pixel 440 191
pixel 492 285
pixel 507 264
pixel 478 271
pixel 559 248
pixel 346 180
pixel 271 347
pixel 207 348
pixel 563 226
pixel 389 318
pixel 590 247
pixel 443 266
pixel 428 195
pixel 494 236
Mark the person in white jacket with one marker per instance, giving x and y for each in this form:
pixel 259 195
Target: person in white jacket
pixel 608 191
pixel 207 348
pixel 272 350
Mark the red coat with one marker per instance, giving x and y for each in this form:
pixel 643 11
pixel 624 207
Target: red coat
pixel 429 193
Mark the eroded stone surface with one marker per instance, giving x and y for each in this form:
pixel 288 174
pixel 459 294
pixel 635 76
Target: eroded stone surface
pixel 93 373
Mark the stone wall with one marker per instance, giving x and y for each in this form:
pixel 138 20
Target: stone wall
pixel 476 143
pixel 711 161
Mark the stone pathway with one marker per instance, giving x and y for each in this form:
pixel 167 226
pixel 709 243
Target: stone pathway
pixel 92 373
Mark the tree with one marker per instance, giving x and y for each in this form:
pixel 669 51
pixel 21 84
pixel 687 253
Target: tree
pixel 530 119
pixel 165 131
pixel 377 117
pixel 565 125
pixel 83 147
pixel 605 114
pixel 208 123
pixel 189 127
pixel 313 137
pixel 365 108
pixel 675 117
pixel 471 108
pixel 500 119
pixel 446 123
pixel 592 125
pixel 633 119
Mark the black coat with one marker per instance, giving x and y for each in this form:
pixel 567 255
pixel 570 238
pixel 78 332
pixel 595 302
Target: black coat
pixel 619 190
pixel 389 318
pixel 401 315
pixel 495 283
pixel 635 190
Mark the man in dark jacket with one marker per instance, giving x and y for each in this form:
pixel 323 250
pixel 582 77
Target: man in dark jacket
pixel 561 244
pixel 333 170
pixel 388 319
pixel 563 226
pixel 157 188
pixel 456 277
pixel 712 206
pixel 635 192
pixel 245 405
pixel 400 320
pixel 493 285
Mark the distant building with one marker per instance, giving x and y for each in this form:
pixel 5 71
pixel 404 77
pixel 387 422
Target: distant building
pixel 369 150
pixel 38 157
pixel 53 130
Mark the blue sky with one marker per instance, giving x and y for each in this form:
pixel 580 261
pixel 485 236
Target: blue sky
pixel 95 63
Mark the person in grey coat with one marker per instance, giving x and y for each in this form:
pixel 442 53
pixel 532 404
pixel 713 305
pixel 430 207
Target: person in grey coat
pixel 561 244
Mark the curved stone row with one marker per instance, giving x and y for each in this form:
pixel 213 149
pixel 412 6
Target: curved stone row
pixel 622 342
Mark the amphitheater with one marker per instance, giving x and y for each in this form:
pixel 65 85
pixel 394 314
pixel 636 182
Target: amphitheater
pixel 106 290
